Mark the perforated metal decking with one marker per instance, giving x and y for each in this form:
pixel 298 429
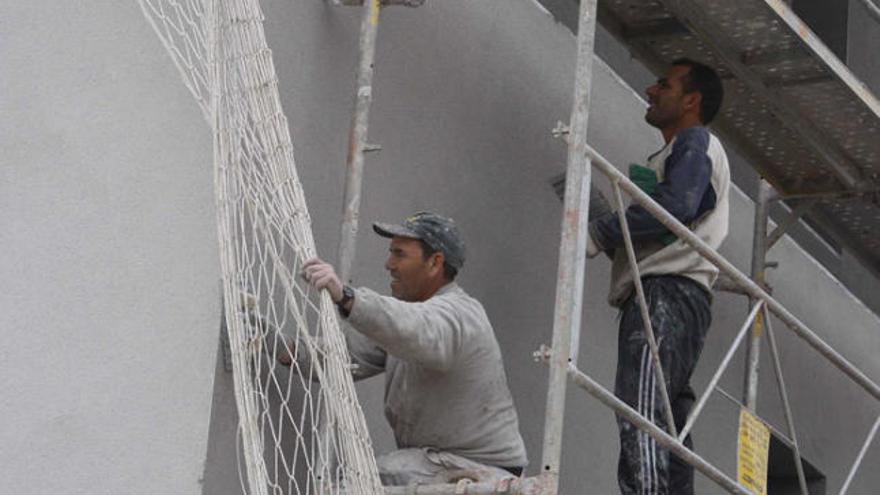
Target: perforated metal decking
pixel 795 111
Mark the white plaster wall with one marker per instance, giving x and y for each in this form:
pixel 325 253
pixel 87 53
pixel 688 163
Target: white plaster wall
pixel 109 304
pixel 111 297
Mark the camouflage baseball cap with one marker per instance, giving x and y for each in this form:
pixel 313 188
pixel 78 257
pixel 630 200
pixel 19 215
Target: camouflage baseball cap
pixel 438 231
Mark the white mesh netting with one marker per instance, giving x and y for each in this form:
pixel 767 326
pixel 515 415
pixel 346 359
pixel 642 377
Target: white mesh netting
pixel 301 428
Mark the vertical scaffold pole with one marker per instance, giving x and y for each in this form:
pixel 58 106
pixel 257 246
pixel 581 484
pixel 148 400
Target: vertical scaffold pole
pixel 759 264
pixel 572 249
pixel 354 178
pixel 357 142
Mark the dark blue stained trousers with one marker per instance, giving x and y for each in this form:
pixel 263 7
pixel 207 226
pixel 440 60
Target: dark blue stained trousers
pixel 680 317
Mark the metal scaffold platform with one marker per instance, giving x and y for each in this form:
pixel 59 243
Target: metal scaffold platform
pixel 792 108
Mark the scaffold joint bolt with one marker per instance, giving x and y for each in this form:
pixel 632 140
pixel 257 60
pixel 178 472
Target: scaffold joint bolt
pixel 369 148
pixel 560 130
pixel 542 354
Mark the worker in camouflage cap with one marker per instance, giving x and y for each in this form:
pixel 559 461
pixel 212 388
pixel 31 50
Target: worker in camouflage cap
pixel 439 232
pixel 438 350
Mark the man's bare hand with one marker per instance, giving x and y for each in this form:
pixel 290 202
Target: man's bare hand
pixel 321 275
pixel 285 354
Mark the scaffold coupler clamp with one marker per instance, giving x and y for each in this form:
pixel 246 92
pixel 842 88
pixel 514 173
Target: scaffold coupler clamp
pixel 543 354
pixel 561 130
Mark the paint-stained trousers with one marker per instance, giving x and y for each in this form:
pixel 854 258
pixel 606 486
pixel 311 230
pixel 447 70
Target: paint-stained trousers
pixel 428 466
pixel 680 317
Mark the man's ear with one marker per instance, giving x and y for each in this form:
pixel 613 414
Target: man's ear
pixel 437 260
pixel 692 101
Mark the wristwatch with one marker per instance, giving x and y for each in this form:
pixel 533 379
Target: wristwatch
pixel 347 296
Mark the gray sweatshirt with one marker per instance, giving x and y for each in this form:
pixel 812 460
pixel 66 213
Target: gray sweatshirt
pixel 445 384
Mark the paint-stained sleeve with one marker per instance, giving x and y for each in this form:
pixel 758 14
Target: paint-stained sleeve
pixel 428 333
pixel 686 193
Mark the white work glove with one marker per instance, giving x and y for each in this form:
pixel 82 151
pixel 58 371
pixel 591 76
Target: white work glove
pixel 321 275
pixel 592 248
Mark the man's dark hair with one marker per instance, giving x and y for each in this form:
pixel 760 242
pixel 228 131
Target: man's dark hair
pixel 449 272
pixel 704 80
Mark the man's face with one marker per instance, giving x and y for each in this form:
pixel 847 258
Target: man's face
pixel 412 276
pixel 667 99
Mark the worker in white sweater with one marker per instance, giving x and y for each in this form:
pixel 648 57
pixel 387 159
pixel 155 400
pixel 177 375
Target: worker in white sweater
pixel 446 393
pixel 690 178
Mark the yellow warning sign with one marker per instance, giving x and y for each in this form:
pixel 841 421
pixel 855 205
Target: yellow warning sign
pixel 752 447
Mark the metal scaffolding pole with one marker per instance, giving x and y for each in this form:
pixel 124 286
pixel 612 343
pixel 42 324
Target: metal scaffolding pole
pixel 759 264
pixel 643 310
pixel 572 250
pixel 354 172
pixel 698 408
pixel 357 144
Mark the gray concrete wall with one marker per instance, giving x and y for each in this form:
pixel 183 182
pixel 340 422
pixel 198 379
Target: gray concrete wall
pixel 109 267
pixel 112 257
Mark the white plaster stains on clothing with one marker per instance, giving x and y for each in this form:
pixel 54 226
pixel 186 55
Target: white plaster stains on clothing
pixel 414 466
pixel 680 316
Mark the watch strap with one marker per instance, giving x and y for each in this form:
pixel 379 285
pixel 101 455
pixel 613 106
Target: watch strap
pixel 347 296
